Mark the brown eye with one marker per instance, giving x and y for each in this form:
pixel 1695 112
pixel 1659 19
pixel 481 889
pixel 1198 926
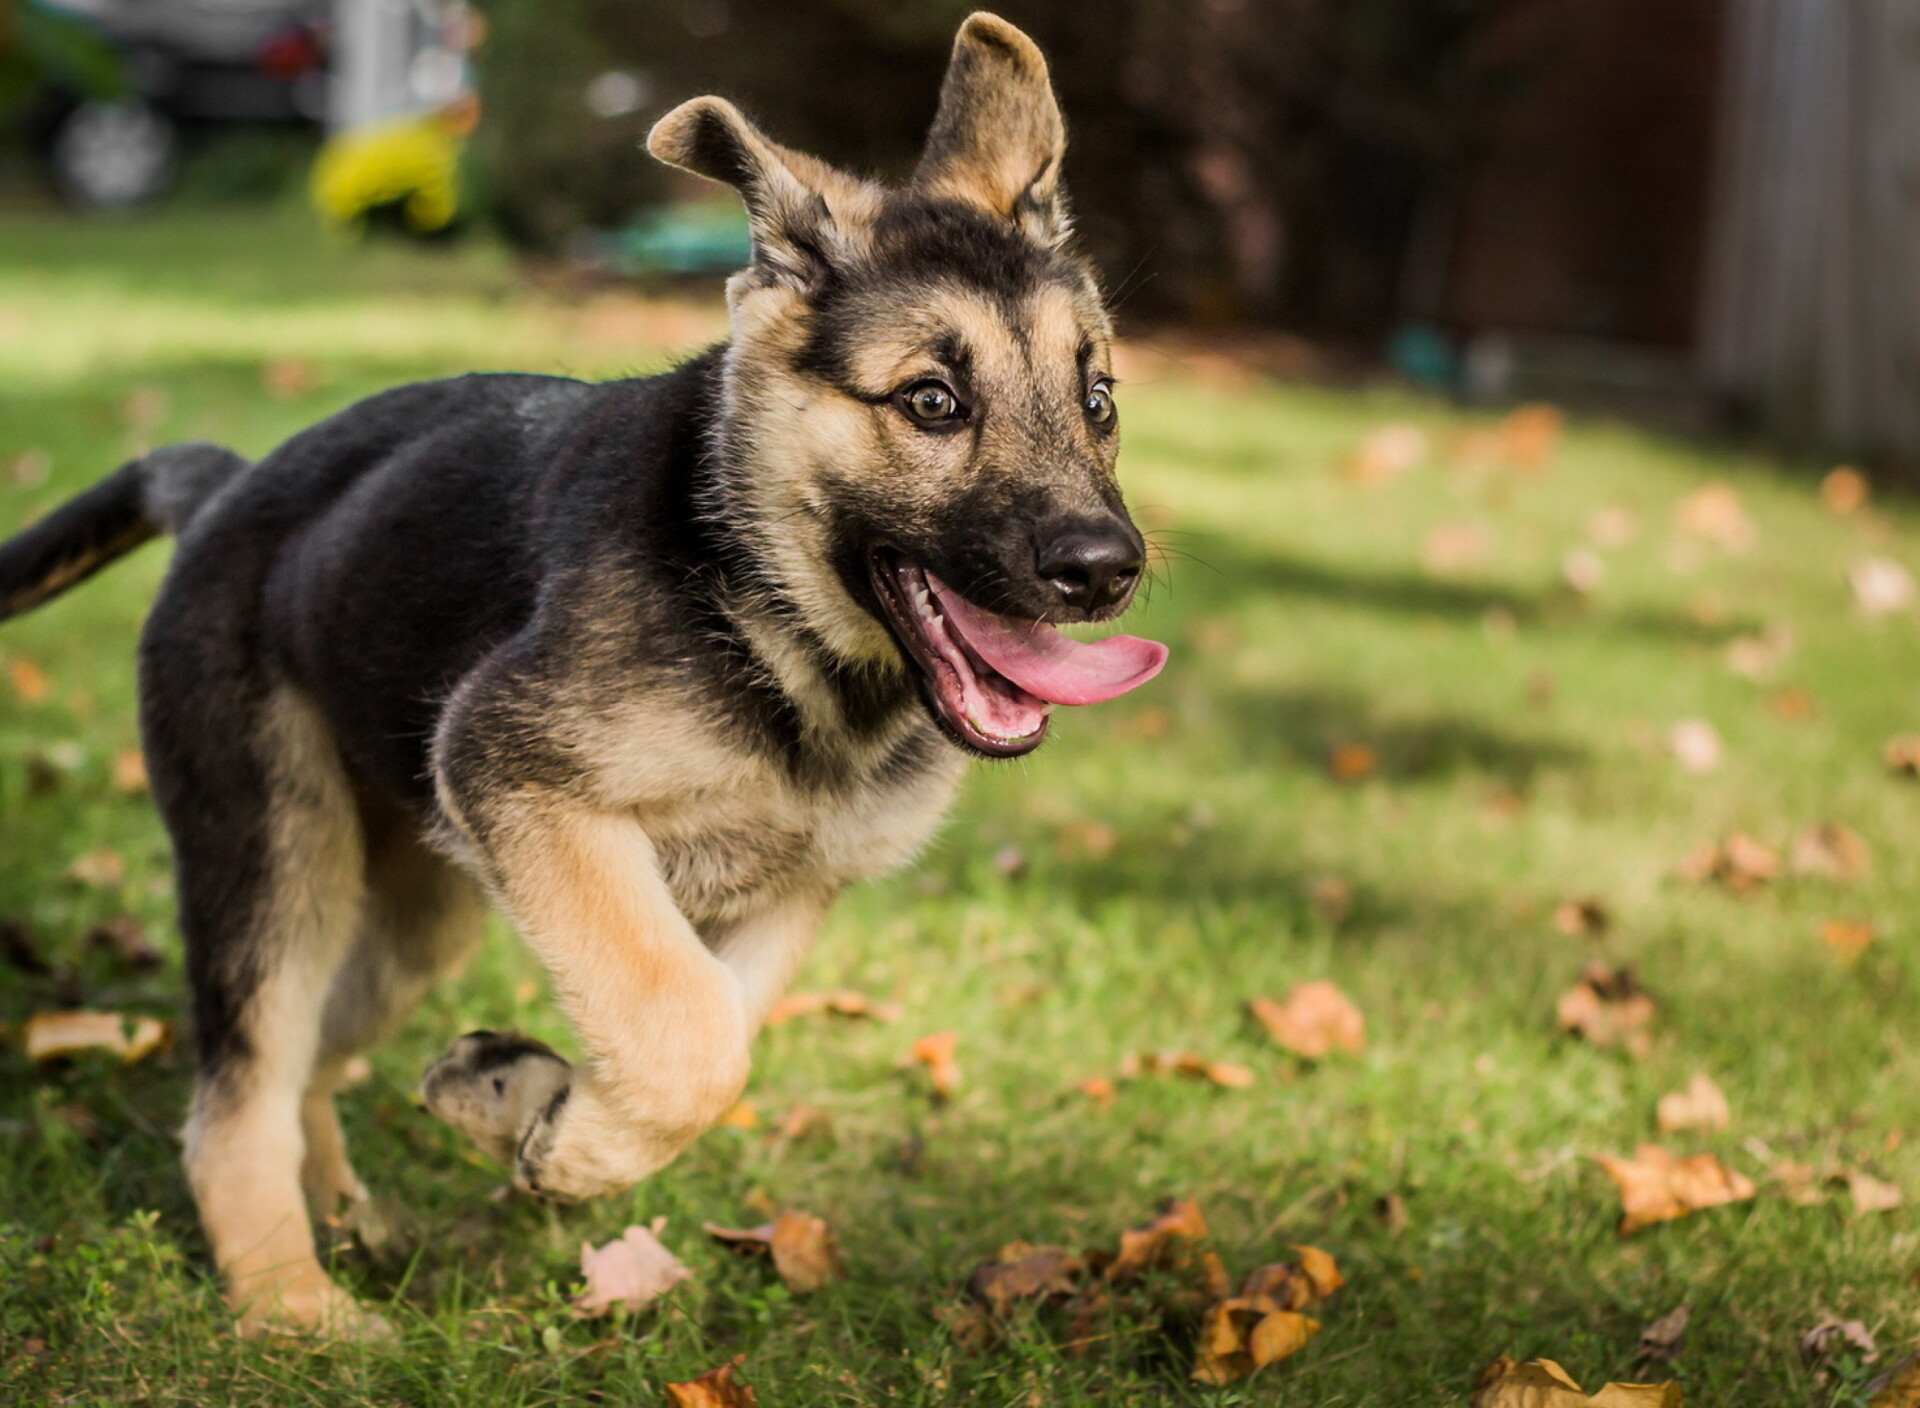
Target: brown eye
pixel 1099 404
pixel 931 403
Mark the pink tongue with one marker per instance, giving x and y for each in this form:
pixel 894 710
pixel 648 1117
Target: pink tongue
pixel 1045 663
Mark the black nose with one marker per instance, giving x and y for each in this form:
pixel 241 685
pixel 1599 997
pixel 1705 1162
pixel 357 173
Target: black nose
pixel 1092 566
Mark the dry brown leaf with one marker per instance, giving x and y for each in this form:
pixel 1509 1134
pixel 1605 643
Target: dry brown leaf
pixel 1830 1338
pixel 801 1246
pixel 1696 746
pixel 1387 452
pixel 126 939
pixel 28 680
pixel 1844 490
pixel 1799 1182
pixel 1665 1395
pixel 935 1052
pixel 802 1120
pixel 1740 863
pixel 1226 1074
pixel 1661 1340
pixel 1584 918
pixel 1758 656
pixel 1313 1019
pixel 1541 1383
pixel 51 1035
pixel 1453 548
pixel 1831 852
pixel 1699 1106
pixel 130 771
pixel 1899 1387
pixel 1241 1335
pixel 1099 1090
pixel 1166 1241
pixel 1870 1194
pixel 717 1388
pixel 102 868
pixel 1025 1272
pixel 843 1003
pixel 1902 755
pixel 1881 586
pixel 1794 705
pixel 1656 1187
pixel 1715 514
pixel 1846 939
pixel 1530 433
pixel 630 1273
pixel 1608 1007
pixel 1352 762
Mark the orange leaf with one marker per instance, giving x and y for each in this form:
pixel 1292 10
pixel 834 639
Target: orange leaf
pixel 102 868
pixel 1831 852
pixel 1656 1187
pixel 801 1246
pixel 743 1115
pixel 129 771
pixel 1097 1089
pixel 1025 1272
pixel 1844 490
pixel 1352 762
pixel 717 1388
pixel 1608 1008
pixel 29 681
pixel 1242 1335
pixel 1699 1106
pixel 1902 755
pixel 1313 1019
pixel 1846 939
pixel 1166 1241
pixel 935 1052
pixel 843 1003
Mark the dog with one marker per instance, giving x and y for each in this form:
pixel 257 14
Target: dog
pixel 656 666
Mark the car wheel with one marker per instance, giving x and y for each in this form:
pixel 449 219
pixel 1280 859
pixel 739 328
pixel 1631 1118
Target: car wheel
pixel 108 156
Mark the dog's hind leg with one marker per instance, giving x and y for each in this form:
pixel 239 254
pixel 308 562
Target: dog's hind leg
pixel 271 867
pixel 422 915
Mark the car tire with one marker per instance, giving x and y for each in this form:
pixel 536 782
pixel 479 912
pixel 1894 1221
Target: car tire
pixel 110 156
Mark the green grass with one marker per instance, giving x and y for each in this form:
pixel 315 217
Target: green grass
pixel 1301 619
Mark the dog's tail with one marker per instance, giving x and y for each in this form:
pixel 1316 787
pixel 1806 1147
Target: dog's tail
pixel 157 493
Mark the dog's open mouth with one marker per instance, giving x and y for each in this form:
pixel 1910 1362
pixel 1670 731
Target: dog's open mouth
pixel 993 679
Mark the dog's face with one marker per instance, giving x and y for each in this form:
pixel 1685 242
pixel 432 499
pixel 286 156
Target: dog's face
pixel 921 402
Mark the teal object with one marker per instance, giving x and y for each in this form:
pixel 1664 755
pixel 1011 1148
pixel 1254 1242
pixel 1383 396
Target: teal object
pixel 682 239
pixel 1423 355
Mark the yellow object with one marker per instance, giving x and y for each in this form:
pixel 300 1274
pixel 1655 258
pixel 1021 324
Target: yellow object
pixel 412 163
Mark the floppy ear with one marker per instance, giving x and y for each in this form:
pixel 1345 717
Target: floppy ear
pixel 804 215
pixel 998 139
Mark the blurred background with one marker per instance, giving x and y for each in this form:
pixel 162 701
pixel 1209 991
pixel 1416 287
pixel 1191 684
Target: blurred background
pixel 1706 212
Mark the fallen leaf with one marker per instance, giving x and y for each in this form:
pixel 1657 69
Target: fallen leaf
pixel 935 1052
pixel 1795 705
pixel 287 377
pixel 1584 918
pixel 802 1120
pixel 1831 1338
pixel 1844 490
pixel 1099 1090
pixel 1739 862
pixel 744 1115
pixel 1831 852
pixel 1530 433
pixel 1608 1007
pixel 1846 939
pixel 629 1273
pixel 1315 1018
pixel 1757 656
pixel 1656 1187
pixel 1700 1106
pixel 1188 1063
pixel 102 868
pixel 130 771
pixel 1899 1387
pixel 1695 744
pixel 1241 1335
pixel 1166 1241
pixel 126 938
pixel 28 680
pixel 1352 762
pixel 1881 586
pixel 1541 1383
pixel 1332 899
pixel 1870 1194
pixel 1023 1272
pixel 843 1003
pixel 717 1388
pixel 1799 1182
pixel 1453 548
pixel 1583 571
pixel 1661 1340
pixel 1902 755
pixel 801 1245
pixel 51 1035
pixel 1715 514
pixel 1386 453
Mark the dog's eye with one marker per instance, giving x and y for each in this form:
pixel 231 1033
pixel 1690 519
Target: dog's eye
pixel 930 403
pixel 1099 404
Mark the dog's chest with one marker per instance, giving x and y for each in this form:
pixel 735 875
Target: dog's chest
pixel 726 855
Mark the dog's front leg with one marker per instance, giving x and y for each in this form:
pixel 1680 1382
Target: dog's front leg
pixel 662 1020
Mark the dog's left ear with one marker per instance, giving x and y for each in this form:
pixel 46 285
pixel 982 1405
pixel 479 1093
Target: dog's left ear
pixel 998 139
pixel 805 216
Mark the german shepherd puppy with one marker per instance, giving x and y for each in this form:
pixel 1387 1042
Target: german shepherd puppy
pixel 658 666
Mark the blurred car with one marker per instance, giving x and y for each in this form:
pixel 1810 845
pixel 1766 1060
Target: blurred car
pixel 172 67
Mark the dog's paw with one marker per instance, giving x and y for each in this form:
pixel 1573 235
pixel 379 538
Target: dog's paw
pixel 500 1089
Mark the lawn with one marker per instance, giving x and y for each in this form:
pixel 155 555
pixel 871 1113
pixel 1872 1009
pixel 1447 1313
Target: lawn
pixel 1381 755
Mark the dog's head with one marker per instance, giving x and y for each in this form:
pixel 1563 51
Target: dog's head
pixel 920 410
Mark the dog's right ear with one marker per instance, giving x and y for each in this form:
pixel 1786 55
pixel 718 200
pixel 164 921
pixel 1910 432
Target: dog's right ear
pixel 805 216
